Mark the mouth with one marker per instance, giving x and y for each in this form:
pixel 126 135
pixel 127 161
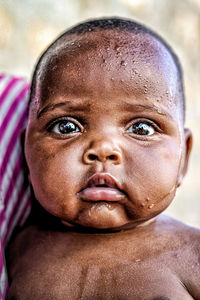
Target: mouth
pixel 102 187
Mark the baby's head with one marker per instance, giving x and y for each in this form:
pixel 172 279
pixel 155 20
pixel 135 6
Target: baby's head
pixel 105 142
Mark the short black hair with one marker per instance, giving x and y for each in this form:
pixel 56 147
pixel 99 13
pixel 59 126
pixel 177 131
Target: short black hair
pixel 122 25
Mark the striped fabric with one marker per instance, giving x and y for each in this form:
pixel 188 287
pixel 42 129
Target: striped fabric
pixel 14 188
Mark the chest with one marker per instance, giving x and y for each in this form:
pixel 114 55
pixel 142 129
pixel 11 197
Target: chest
pixel 85 277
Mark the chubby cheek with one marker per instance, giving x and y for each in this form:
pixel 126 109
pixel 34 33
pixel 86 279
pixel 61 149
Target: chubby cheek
pixel 54 177
pixel 152 175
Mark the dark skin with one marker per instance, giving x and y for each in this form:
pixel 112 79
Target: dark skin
pixel 106 149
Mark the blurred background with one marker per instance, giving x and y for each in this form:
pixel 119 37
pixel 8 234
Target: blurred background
pixel 28 26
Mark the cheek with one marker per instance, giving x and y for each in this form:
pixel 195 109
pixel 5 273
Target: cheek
pixel 153 174
pixel 53 174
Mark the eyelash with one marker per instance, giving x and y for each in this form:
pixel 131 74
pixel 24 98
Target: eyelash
pixel 55 122
pixel 80 124
pixel 147 122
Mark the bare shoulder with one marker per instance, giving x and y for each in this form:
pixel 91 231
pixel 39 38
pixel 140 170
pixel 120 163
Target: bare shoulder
pixel 33 237
pixel 21 242
pixel 186 239
pixel 174 225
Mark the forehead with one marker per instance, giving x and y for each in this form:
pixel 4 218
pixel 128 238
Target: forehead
pixel 104 61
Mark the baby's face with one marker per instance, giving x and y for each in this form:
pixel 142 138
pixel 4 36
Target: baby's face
pixel 105 143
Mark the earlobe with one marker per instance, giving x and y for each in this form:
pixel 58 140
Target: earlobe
pixel 186 154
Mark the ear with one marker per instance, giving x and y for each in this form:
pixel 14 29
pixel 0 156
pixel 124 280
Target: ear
pixel 186 154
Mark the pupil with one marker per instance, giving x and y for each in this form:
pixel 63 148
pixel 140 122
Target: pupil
pixel 67 127
pixel 142 129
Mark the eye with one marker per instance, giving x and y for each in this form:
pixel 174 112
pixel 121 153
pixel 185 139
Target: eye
pixel 142 128
pixel 64 127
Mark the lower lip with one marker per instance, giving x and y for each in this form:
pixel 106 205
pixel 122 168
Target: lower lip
pixel 101 194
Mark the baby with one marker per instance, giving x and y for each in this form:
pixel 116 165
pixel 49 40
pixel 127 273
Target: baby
pixel 106 149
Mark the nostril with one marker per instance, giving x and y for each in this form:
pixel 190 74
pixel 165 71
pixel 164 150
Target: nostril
pixel 92 157
pixel 102 155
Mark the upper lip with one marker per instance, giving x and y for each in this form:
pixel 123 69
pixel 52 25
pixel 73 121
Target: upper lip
pixel 103 179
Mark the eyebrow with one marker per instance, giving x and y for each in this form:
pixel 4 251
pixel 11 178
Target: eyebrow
pixel 76 106
pixel 71 106
pixel 141 108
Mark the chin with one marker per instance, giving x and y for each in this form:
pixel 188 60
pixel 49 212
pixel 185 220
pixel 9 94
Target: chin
pixel 105 218
pixel 101 224
pixel 101 217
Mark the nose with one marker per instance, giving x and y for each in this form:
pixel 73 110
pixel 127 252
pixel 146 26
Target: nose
pixel 103 151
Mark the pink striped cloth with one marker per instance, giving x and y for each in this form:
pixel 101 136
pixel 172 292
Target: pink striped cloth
pixel 14 187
